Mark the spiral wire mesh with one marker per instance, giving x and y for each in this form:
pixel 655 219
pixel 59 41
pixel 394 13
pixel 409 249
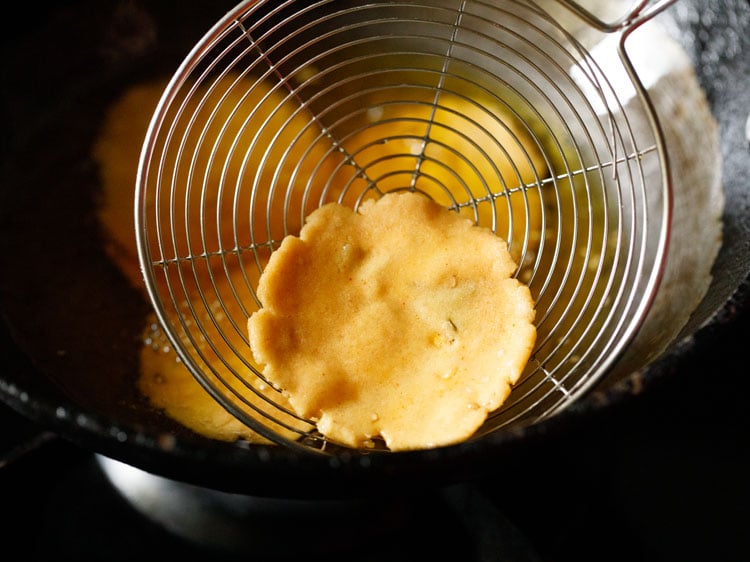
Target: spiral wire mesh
pixel 496 110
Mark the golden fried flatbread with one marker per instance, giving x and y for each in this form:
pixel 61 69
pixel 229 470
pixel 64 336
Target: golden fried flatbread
pixel 402 321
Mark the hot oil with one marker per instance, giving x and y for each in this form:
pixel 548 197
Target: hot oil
pixel 163 378
pixel 487 160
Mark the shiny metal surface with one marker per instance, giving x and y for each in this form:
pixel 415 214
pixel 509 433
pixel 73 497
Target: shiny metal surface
pixel 604 195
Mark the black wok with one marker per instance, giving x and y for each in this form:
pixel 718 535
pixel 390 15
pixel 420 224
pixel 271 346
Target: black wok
pixel 71 322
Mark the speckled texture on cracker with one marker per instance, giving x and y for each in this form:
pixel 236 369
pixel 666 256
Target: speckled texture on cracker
pixel 401 321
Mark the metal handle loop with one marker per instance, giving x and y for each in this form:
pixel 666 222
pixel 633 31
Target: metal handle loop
pixel 643 11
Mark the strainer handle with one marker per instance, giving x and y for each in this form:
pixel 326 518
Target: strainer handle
pixel 638 14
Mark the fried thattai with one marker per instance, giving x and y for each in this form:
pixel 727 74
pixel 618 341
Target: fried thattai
pixel 402 320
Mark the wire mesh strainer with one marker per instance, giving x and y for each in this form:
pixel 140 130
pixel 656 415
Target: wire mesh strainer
pixel 495 110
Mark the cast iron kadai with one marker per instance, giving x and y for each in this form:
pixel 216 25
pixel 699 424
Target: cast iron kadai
pixel 87 402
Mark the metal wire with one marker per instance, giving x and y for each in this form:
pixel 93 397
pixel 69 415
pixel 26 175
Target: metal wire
pixel 494 109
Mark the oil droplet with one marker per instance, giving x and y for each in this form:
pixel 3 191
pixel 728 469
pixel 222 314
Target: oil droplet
pixel 306 73
pixel 445 375
pixel 167 441
pixel 593 263
pixel 415 147
pixel 375 113
pixel 264 455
